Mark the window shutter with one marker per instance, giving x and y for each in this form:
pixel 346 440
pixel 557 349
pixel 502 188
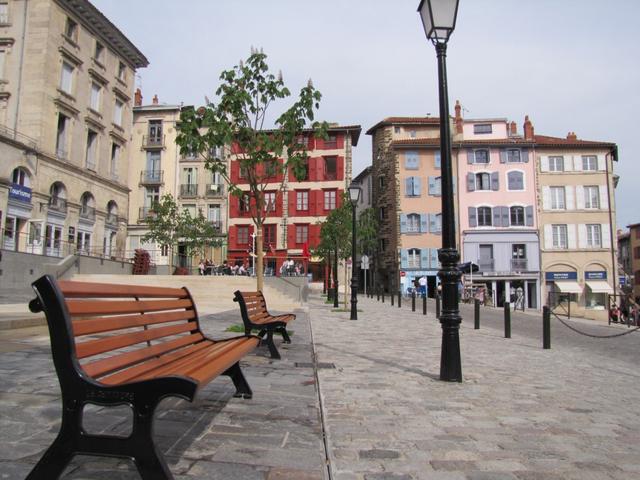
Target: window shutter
pixel 546 198
pixel 567 161
pixel 569 201
pixel 525 156
pixel 544 163
pixel 340 168
pixel 291 235
pixel 579 196
pixel 548 236
pixel 292 203
pixel 605 228
pixel 497 217
pixel 432 185
pixel 471 182
pixel 505 216
pixel 582 235
pixel 439 186
pixel 528 215
pixel 408 186
pixel 433 253
pixel 473 218
pixel 495 181
pixel 437 160
pixel 571 236
pixel 404 258
pixel 432 223
pixel 604 200
pixel 577 163
pixel 424 223
pixel 601 163
pixel 511 181
pixel 403 223
pixel 417 186
pixel 438 223
pixel 424 258
pixel 503 156
pixel 470 157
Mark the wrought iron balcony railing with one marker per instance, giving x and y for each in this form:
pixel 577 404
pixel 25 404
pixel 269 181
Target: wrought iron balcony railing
pixel 58 204
pixel 188 190
pixel 151 177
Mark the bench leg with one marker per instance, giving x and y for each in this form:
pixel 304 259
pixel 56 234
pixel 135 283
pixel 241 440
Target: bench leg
pixel 272 346
pixel 242 386
pixel 149 461
pixel 285 336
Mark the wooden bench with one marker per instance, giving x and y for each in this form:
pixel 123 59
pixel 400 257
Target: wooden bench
pixel 127 345
pixel 253 308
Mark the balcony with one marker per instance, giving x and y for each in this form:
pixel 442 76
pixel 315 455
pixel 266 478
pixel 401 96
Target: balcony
pixel 152 177
pixel 217 225
pixel 214 190
pixel 144 213
pixel 518 264
pixel 111 219
pixel 188 190
pixel 57 204
pixel 88 213
pixel 153 142
pixel 486 264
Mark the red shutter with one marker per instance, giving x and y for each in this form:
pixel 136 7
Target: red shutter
pixel 320 202
pixel 314 236
pixel 292 203
pixel 340 168
pixel 279 202
pixel 311 169
pixel 291 236
pixel 233 206
pixel 339 198
pixel 233 237
pixel 311 145
pixel 340 140
pixel 235 171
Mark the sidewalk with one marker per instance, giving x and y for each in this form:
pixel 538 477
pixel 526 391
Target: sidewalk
pixel 371 386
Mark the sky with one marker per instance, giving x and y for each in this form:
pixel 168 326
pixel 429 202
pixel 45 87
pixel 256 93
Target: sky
pixel 571 65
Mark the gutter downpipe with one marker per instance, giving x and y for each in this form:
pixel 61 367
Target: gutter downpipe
pixel 614 265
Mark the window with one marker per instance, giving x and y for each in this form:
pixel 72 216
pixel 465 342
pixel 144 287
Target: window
pixel 413 258
pixel 557 198
pixel 517 216
pixel 330 168
pixel 92 141
pixel 155 131
pixel 594 236
pixel 412 133
pixel 19 177
pixel 514 156
pixel 302 234
pixel 381 181
pixel 98 53
pixel 437 159
pixel 303 141
pixel 396 129
pixel 213 213
pixel 268 236
pixel 153 164
pixel 483 181
pixel 151 196
pixel 330 199
pixel 589 163
pixel 515 180
pixel 243 235
pixel 481 156
pixel 3 56
pixel 66 79
pixel 242 172
pixel 556 164
pixel 270 168
pixel 559 234
pixel 244 203
pixel 4 13
pixel 411 161
pixel 61 138
pixel 190 208
pixel 115 157
pixel 305 170
pixel 96 89
pixel 270 201
pixel 122 71
pixel 302 200
pixel 482 128
pixel 117 112
pixel 331 141
pixel 413 223
pixel 382 214
pixel 71 30
pixel 636 277
pixel 412 186
pixel 484 216
pixel 382 245
pixel 591 197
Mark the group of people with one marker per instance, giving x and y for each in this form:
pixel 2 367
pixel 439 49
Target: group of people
pixel 208 267
pixel 627 311
pixel 420 284
pixel 290 268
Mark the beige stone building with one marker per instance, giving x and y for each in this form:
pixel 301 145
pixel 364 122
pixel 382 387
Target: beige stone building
pixel 157 168
pixel 66 82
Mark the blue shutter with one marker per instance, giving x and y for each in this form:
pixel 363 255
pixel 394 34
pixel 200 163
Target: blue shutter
pixel 454 184
pixel 424 223
pixel 528 215
pixel 438 223
pixel 408 186
pixel 525 156
pixel 432 223
pixel 417 186
pixel 404 258
pixel 403 223
pixel 511 180
pixel 473 217
pixel 495 181
pixel 471 182
pixel 433 253
pixel 438 181
pixel 503 156
pixel 497 218
pixel 438 160
pixel 470 157
pixel 432 185
pixel 424 258
pixel 505 216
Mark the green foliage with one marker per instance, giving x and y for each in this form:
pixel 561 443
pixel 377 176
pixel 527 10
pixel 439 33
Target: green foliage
pixel 367 231
pixel 336 231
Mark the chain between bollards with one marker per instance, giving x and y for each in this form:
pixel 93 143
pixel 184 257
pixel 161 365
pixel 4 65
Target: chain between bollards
pixel 546 328
pixel 507 320
pixel 476 314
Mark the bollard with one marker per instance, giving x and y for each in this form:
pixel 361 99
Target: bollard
pixel 393 298
pixel 476 314
pixel 628 321
pixel 382 295
pixel 546 328
pixel 424 304
pixel 437 305
pixel 378 294
pixel 399 299
pixel 413 301
pixel 330 294
pixel 507 320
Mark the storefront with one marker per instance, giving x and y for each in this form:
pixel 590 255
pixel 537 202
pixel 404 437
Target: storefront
pixel 562 286
pixel 597 289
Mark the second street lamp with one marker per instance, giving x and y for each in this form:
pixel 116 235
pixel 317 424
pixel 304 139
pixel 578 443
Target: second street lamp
pixel 439 21
pixel 354 196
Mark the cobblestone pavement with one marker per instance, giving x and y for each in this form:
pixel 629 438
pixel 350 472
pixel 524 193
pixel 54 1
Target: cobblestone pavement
pixel 521 412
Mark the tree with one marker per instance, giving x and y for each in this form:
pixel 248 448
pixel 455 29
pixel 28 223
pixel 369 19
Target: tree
pixel 367 232
pixel 238 120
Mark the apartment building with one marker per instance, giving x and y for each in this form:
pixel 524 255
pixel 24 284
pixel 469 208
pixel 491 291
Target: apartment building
pixel 292 226
pixel 629 258
pixel 65 127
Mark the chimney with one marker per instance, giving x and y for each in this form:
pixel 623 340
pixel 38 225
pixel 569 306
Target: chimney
pixel 528 128
pixel 155 99
pixel 572 136
pixel 458 118
pixel 513 129
pixel 137 102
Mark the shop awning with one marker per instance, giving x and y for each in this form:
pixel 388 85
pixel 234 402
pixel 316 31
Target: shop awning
pixel 599 286
pixel 569 287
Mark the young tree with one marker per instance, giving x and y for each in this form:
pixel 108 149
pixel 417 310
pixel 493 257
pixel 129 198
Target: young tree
pixel 238 120
pixel 367 233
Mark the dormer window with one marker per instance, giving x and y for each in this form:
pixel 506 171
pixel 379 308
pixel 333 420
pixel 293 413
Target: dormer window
pixel 71 30
pixel 482 128
pixel 98 54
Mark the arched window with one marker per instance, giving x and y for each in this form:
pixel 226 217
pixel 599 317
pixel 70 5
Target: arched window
pixel 517 216
pixel 413 258
pixel 58 197
pixel 483 181
pixel 87 208
pixel 515 180
pixel 112 213
pixel 21 177
pixel 484 216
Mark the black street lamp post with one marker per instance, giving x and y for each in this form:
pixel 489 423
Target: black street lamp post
pixel 354 196
pixel 439 21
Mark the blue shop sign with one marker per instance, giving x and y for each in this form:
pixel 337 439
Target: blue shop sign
pixel 558 276
pixel 595 275
pixel 623 281
pixel 20 193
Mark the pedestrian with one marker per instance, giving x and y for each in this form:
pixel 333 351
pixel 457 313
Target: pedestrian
pixel 422 282
pixel 201 267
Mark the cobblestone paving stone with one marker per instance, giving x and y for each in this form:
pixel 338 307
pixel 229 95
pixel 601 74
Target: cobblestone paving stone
pixel 521 413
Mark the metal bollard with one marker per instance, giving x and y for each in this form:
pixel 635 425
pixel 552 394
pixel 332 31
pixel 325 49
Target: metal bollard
pixel 393 298
pixel 476 314
pixel 382 295
pixel 424 304
pixel 507 320
pixel 437 305
pixel 546 328
pixel 378 294
pixel 399 299
pixel 413 301
pixel 330 294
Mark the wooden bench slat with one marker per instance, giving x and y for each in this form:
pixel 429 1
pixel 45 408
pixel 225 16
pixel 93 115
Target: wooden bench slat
pixel 98 307
pixel 89 289
pixel 209 370
pixel 104 366
pixel 88 326
pixel 115 342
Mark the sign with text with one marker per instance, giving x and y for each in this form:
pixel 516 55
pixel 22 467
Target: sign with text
pixel 595 275
pixel 558 276
pixel 20 193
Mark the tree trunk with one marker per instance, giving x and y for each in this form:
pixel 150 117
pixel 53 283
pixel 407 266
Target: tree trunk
pixel 259 259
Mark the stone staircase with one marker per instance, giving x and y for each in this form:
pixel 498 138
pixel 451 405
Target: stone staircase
pixel 211 294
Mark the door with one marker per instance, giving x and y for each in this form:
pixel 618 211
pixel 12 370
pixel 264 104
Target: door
pixel 35 242
pixel 53 240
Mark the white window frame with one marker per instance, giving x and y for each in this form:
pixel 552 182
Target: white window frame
pixel 558 197
pixel 484 208
pixel 592 197
pixel 590 163
pixel 560 236
pixel 475 156
pixel 118 109
pixel 302 200
pixel 594 235
pixel 479 183
pixel 66 77
pixel 413 258
pixel 96 96
pixel 556 163
pixel 413 223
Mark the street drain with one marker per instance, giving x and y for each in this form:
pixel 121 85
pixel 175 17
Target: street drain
pixel 310 365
